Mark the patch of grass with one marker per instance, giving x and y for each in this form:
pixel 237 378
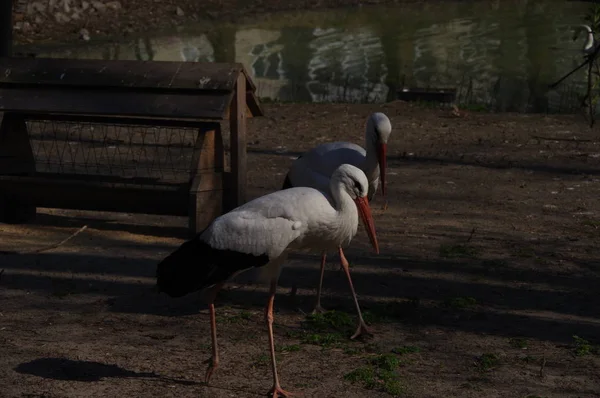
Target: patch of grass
pixel 262 359
pixel 583 347
pixel 380 374
pixel 387 362
pixel 289 348
pixel 591 223
pixel 323 339
pixel 327 329
pixel 460 302
pixel 353 350
pixel 329 320
pixel 245 314
pixel 372 317
pixel 239 317
pixel 458 251
pixel 407 349
pixel 518 342
pixel 487 362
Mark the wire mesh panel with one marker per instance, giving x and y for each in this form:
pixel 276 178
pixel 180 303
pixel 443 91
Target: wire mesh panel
pixel 138 153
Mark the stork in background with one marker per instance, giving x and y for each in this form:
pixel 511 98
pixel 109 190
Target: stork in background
pixel 315 168
pixel 589 45
pixel 259 234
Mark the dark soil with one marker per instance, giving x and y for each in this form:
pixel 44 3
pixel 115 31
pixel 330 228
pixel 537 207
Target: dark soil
pixel 488 270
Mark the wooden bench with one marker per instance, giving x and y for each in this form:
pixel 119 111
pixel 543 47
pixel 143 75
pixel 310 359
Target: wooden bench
pixel 114 107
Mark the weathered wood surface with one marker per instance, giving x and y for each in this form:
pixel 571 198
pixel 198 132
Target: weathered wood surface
pixel 238 142
pixel 6 27
pixel 206 190
pixel 130 103
pixel 109 74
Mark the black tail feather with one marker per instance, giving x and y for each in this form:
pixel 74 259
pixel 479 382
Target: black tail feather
pixel 287 183
pixel 195 265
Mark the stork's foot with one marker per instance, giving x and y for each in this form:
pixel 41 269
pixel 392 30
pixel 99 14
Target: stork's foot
pixel 319 310
pixel 385 206
pixel 277 391
pixel 213 363
pixel 362 331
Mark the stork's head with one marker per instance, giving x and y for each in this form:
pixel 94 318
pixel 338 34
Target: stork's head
pixel 354 182
pixel 379 129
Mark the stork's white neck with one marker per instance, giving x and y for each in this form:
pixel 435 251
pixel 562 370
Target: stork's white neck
pixel 346 214
pixel 371 166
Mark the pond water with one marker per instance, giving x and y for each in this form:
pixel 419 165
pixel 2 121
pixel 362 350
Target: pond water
pixel 500 53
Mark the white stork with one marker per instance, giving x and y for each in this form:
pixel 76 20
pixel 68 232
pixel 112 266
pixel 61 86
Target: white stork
pixel 259 234
pixel 589 45
pixel 315 167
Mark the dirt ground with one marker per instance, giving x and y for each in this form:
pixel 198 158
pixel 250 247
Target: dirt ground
pixel 486 285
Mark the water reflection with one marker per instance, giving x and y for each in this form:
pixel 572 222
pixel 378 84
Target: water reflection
pixel 495 54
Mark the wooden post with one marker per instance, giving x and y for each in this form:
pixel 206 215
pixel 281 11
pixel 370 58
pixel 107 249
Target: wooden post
pixel 237 120
pixel 206 189
pixel 16 158
pixel 6 28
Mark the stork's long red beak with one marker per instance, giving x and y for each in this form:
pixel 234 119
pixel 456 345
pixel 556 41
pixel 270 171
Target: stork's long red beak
pixel 367 218
pixel 382 150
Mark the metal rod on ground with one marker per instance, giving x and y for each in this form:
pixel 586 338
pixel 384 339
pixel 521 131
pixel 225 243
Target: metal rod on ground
pixel 588 59
pixel 6 28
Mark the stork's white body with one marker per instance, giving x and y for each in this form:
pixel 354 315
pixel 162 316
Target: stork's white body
pixel 292 219
pixel 315 167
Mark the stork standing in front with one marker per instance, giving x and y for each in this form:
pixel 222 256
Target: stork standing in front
pixel 315 168
pixel 259 234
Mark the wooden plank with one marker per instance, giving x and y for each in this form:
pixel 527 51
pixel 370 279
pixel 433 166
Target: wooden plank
pixel 6 27
pixel 194 76
pixel 237 120
pixel 114 119
pixel 99 196
pixel 124 103
pixel 16 157
pixel 253 104
pixel 206 190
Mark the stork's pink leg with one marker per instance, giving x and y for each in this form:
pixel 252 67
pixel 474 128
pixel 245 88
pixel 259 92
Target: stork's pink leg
pixel 318 309
pixel 362 326
pixel 213 361
pixel 276 391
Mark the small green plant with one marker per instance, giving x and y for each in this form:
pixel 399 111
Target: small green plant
pixel 380 374
pixel 386 362
pixel 518 342
pixel 591 223
pixel 460 302
pixel 583 347
pixel 262 359
pixel 407 349
pixel 329 320
pixel 458 251
pixel 323 339
pixel 289 348
pixel 487 362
